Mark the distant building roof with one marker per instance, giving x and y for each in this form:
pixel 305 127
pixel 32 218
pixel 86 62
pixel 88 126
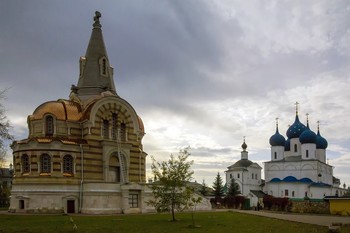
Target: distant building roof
pixel 258 193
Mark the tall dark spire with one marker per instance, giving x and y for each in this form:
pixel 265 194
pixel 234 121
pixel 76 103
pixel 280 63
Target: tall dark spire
pixel 96 75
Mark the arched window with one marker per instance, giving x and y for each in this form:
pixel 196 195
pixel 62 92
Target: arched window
pixel 105 129
pixel 275 155
pixel 25 163
pixel 114 169
pixel 45 163
pixel 123 132
pixel 49 126
pixel 114 125
pixel 295 148
pixel 68 164
pixel 238 175
pixel 104 66
pixel 307 154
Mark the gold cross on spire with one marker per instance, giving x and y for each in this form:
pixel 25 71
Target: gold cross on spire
pixel 296 107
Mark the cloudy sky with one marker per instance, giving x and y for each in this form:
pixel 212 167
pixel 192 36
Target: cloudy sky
pixel 200 73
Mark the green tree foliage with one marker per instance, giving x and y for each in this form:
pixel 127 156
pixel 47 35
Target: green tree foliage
pixel 4 129
pixel 170 188
pixel 233 189
pixel 218 187
pixel 204 189
pixel 4 195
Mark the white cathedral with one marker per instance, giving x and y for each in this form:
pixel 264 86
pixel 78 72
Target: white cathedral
pixel 298 166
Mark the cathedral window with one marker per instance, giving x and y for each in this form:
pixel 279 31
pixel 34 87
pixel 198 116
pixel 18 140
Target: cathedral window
pixel 123 132
pixel 295 148
pixel 49 126
pixel 114 125
pixel 133 200
pixel 286 192
pixel 68 164
pixel 105 129
pixel 114 169
pixel 103 66
pixel 25 163
pixel 45 163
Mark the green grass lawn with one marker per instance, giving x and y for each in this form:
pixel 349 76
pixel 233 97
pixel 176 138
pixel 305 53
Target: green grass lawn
pixel 217 222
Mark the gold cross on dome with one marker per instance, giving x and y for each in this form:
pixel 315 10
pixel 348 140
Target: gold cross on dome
pixel 296 107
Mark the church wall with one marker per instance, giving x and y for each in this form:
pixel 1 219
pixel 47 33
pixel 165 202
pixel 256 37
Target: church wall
pixel 287 189
pixel 321 155
pixel 299 170
pixel 43 198
pixel 277 153
pixel 295 144
pixel 308 151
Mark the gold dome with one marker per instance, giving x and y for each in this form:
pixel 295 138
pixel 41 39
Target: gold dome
pixel 61 109
pixel 142 128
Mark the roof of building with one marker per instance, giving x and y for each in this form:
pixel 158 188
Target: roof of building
pixel 277 139
pixel 296 128
pixel 243 164
pixel 308 136
pixel 61 109
pixel 321 142
pixel 96 74
pixel 258 193
pixel 292 179
pixel 52 139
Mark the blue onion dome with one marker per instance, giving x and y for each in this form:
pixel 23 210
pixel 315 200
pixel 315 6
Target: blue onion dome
pixel 287 145
pixel 321 142
pixel 296 128
pixel 307 136
pixel 277 139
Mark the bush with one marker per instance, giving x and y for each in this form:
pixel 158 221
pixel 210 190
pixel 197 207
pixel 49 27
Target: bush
pixel 236 202
pixel 276 203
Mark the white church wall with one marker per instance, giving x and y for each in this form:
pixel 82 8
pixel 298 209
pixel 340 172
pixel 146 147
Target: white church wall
pixel 277 153
pixel 308 151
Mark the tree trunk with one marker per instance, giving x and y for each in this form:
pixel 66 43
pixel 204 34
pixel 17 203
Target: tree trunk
pixel 173 211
